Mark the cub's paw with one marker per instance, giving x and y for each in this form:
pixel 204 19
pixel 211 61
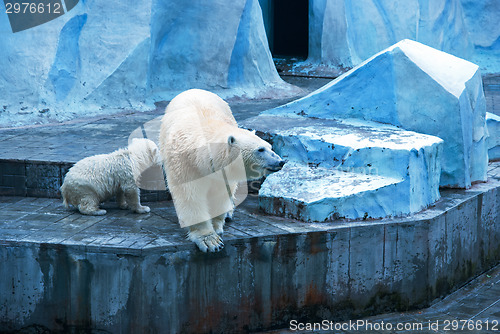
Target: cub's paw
pixel 142 209
pixel 101 212
pixel 207 243
pixel 124 206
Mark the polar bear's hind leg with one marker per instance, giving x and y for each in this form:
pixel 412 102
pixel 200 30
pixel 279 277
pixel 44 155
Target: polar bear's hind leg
pixel 120 199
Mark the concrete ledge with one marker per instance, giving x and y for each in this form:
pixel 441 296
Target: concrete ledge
pixel 137 273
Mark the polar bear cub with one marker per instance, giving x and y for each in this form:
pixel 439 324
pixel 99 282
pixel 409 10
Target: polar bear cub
pixel 96 179
pixel 205 155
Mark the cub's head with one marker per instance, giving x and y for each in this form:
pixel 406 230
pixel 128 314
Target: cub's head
pixel 146 162
pixel 258 156
pixel 144 152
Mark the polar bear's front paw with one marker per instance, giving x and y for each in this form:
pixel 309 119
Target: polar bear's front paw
pixel 219 226
pixel 142 209
pixel 208 243
pixel 219 229
pixel 212 243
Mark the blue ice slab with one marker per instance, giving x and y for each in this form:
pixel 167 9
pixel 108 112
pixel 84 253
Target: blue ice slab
pixel 331 155
pixel 315 194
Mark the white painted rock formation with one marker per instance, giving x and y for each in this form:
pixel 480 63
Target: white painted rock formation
pixel 417 88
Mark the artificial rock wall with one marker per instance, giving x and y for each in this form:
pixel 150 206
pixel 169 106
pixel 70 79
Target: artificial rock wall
pixel 106 55
pixel 344 33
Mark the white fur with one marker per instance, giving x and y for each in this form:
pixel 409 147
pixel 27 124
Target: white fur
pixel 96 179
pixel 202 146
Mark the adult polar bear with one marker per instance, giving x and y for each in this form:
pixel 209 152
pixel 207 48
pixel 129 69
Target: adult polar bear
pixel 205 156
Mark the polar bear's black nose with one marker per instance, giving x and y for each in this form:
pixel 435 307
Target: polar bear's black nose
pixel 282 163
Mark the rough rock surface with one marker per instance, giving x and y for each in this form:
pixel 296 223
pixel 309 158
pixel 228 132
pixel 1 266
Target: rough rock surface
pixel 481 19
pixel 343 33
pixel 347 168
pixel 146 51
pixel 317 194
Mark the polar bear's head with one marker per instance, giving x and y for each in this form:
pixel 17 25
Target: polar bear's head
pixel 258 156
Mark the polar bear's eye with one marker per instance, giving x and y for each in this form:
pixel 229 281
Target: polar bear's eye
pixel 262 149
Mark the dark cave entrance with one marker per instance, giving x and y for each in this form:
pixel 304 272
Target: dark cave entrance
pixel 287 27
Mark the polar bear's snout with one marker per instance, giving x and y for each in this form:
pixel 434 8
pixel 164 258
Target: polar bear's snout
pixel 272 161
pixel 277 166
pixel 281 164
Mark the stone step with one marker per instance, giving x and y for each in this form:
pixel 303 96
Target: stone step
pixel 318 194
pixel 359 147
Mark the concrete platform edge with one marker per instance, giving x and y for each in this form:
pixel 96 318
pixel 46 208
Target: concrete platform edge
pixel 339 272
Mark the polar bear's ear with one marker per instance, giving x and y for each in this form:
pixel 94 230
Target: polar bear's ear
pixel 253 132
pixel 231 140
